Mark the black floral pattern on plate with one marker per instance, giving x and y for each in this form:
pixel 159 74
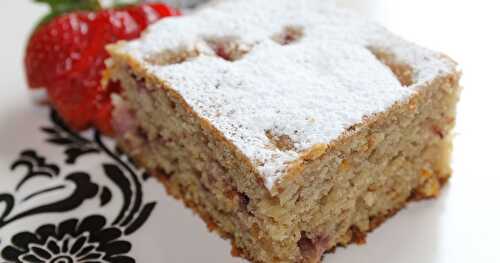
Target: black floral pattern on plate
pixel 72 241
pixel 90 239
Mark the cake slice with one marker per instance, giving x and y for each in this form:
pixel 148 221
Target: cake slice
pixel 290 126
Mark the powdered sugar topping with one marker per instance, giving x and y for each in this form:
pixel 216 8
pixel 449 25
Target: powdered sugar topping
pixel 260 87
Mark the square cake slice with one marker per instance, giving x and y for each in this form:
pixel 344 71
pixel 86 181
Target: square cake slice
pixel 290 126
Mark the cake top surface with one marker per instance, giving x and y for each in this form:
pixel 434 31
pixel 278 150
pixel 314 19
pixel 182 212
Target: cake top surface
pixel 278 77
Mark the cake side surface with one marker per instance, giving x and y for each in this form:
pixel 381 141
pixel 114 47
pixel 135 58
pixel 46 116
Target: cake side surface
pixel 262 81
pixel 336 199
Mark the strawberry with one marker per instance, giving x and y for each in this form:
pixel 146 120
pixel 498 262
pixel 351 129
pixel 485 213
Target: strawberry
pixel 66 55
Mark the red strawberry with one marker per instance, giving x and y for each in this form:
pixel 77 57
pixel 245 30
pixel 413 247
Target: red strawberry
pixel 66 56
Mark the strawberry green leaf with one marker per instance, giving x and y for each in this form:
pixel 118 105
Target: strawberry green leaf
pixel 121 3
pixel 64 6
pixel 59 7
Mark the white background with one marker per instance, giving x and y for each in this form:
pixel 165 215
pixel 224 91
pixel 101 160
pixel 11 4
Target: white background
pixel 463 225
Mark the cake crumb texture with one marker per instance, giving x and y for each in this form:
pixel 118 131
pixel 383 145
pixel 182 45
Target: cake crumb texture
pixel 335 199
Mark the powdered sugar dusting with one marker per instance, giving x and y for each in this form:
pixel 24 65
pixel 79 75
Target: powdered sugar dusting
pixel 310 90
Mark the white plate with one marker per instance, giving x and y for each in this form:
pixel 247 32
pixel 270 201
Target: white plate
pixel 78 200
